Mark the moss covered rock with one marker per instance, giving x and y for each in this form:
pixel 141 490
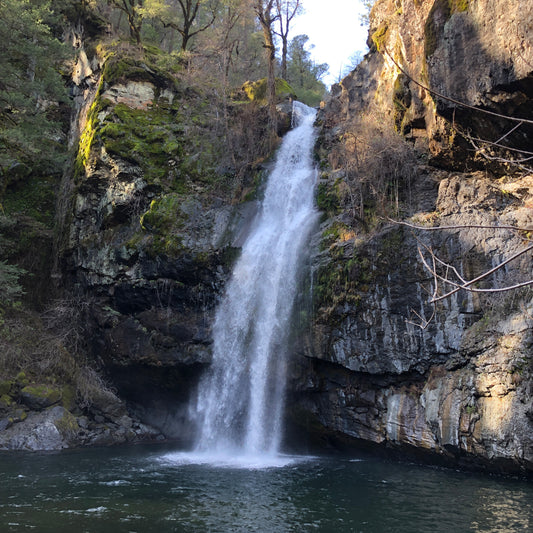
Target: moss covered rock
pixel 38 397
pixel 256 91
pixel 67 426
pixel 5 387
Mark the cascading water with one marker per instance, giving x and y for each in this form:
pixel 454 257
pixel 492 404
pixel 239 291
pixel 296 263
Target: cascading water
pixel 240 399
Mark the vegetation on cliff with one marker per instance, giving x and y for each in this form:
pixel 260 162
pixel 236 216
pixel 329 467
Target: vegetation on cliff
pixel 153 95
pixel 422 286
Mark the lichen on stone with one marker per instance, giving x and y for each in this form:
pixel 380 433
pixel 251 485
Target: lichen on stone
pixel 379 37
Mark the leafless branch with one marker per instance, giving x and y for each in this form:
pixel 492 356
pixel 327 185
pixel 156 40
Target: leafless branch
pixel 467 285
pixel 458 226
pixel 447 280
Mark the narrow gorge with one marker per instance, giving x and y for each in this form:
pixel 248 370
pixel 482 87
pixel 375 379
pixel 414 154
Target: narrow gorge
pixel 424 183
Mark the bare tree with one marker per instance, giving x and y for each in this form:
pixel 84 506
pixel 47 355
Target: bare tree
pixel 286 11
pixel 133 11
pixel 266 16
pixel 187 25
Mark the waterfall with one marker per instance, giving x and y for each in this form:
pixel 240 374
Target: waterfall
pixel 240 399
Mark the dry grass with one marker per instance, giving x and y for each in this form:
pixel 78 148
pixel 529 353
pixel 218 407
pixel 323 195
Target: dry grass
pixel 48 347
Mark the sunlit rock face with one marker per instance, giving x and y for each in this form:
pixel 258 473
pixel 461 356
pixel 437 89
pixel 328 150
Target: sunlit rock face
pixel 478 53
pixel 458 388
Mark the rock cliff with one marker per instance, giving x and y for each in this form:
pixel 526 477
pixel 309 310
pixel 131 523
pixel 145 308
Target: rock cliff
pixel 162 193
pixel 402 137
pixel 423 149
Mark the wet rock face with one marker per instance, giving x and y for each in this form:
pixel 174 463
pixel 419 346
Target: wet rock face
pixel 460 386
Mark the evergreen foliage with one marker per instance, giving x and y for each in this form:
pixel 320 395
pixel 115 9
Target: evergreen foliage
pixel 10 288
pixel 30 89
pixel 303 74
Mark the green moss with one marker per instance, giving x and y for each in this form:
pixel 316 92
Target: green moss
pixel 163 221
pixel 68 397
pixel 154 66
pixel 327 198
pixel 67 425
pixel 171 140
pixel 401 99
pixel 5 387
pixel 118 69
pixel 380 36
pixel 21 379
pixel 334 233
pixel 256 91
pixel 85 142
pixel 18 415
pixel 47 393
pixel 350 274
pixel 5 400
pixel 149 138
pixel 440 13
pixel 337 284
pixel 458 6
pixel 162 214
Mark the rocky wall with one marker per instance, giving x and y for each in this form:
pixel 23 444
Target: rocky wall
pixel 379 363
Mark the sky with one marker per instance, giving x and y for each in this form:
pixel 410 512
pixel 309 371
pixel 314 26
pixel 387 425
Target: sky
pixel 334 29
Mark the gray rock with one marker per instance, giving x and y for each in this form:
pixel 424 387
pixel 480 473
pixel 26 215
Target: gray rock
pixel 460 387
pixel 39 397
pixel 39 431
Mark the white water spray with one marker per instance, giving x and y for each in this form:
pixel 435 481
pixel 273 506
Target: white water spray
pixel 240 399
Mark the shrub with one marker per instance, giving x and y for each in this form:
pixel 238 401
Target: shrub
pixel 10 288
pixel 378 164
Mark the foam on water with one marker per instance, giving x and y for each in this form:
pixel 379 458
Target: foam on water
pixel 240 461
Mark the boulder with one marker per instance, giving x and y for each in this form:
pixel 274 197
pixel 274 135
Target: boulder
pixel 38 397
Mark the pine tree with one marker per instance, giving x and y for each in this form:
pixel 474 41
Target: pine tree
pixel 30 88
pixel 303 74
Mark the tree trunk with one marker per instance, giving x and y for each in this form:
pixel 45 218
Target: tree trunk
pixel 264 14
pixel 284 57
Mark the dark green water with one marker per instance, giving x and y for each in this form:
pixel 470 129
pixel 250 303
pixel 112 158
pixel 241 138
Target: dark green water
pixel 148 489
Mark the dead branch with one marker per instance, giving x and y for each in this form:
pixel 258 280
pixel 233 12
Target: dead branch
pixel 467 285
pixel 458 226
pixel 446 278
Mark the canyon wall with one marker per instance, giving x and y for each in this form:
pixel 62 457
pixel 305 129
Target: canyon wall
pixel 380 363
pixel 155 208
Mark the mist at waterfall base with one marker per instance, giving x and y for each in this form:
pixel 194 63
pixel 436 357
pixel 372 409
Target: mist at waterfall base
pixel 138 489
